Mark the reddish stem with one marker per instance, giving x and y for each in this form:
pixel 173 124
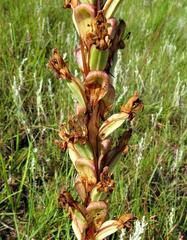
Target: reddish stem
pixel 93 128
pixel 86 70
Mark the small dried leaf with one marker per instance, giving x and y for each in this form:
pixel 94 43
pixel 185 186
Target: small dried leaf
pixel 57 64
pixel 125 219
pixel 65 199
pixel 133 105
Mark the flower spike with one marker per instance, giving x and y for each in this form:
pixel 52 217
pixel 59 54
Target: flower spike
pixel 88 135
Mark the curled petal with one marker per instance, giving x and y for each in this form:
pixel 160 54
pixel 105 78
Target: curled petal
pixel 104 147
pixel 57 65
pixel 128 111
pixel 97 83
pixel 111 124
pixel 107 101
pixel 133 105
pixel 106 229
pixel 78 91
pixel 82 16
pixel 97 212
pixel 82 159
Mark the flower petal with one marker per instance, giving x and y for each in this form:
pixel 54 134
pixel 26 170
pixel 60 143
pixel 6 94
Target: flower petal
pixel 86 170
pixel 106 229
pixel 111 226
pixel 79 224
pixel 97 83
pixel 97 212
pixel 80 188
pixel 82 17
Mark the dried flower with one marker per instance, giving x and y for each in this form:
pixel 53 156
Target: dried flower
pixel 87 135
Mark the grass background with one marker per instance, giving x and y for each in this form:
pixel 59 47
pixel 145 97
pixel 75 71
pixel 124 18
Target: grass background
pixel 152 179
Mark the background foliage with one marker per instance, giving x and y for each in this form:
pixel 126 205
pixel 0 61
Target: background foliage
pixel 33 104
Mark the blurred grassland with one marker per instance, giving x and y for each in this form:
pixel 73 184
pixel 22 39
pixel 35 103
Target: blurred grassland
pixel 152 180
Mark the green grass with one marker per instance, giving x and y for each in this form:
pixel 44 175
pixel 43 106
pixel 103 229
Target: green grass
pixel 152 179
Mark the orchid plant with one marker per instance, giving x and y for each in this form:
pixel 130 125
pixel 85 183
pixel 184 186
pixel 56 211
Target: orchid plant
pixel 88 135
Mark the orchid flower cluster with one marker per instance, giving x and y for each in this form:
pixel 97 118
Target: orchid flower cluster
pixel 87 135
